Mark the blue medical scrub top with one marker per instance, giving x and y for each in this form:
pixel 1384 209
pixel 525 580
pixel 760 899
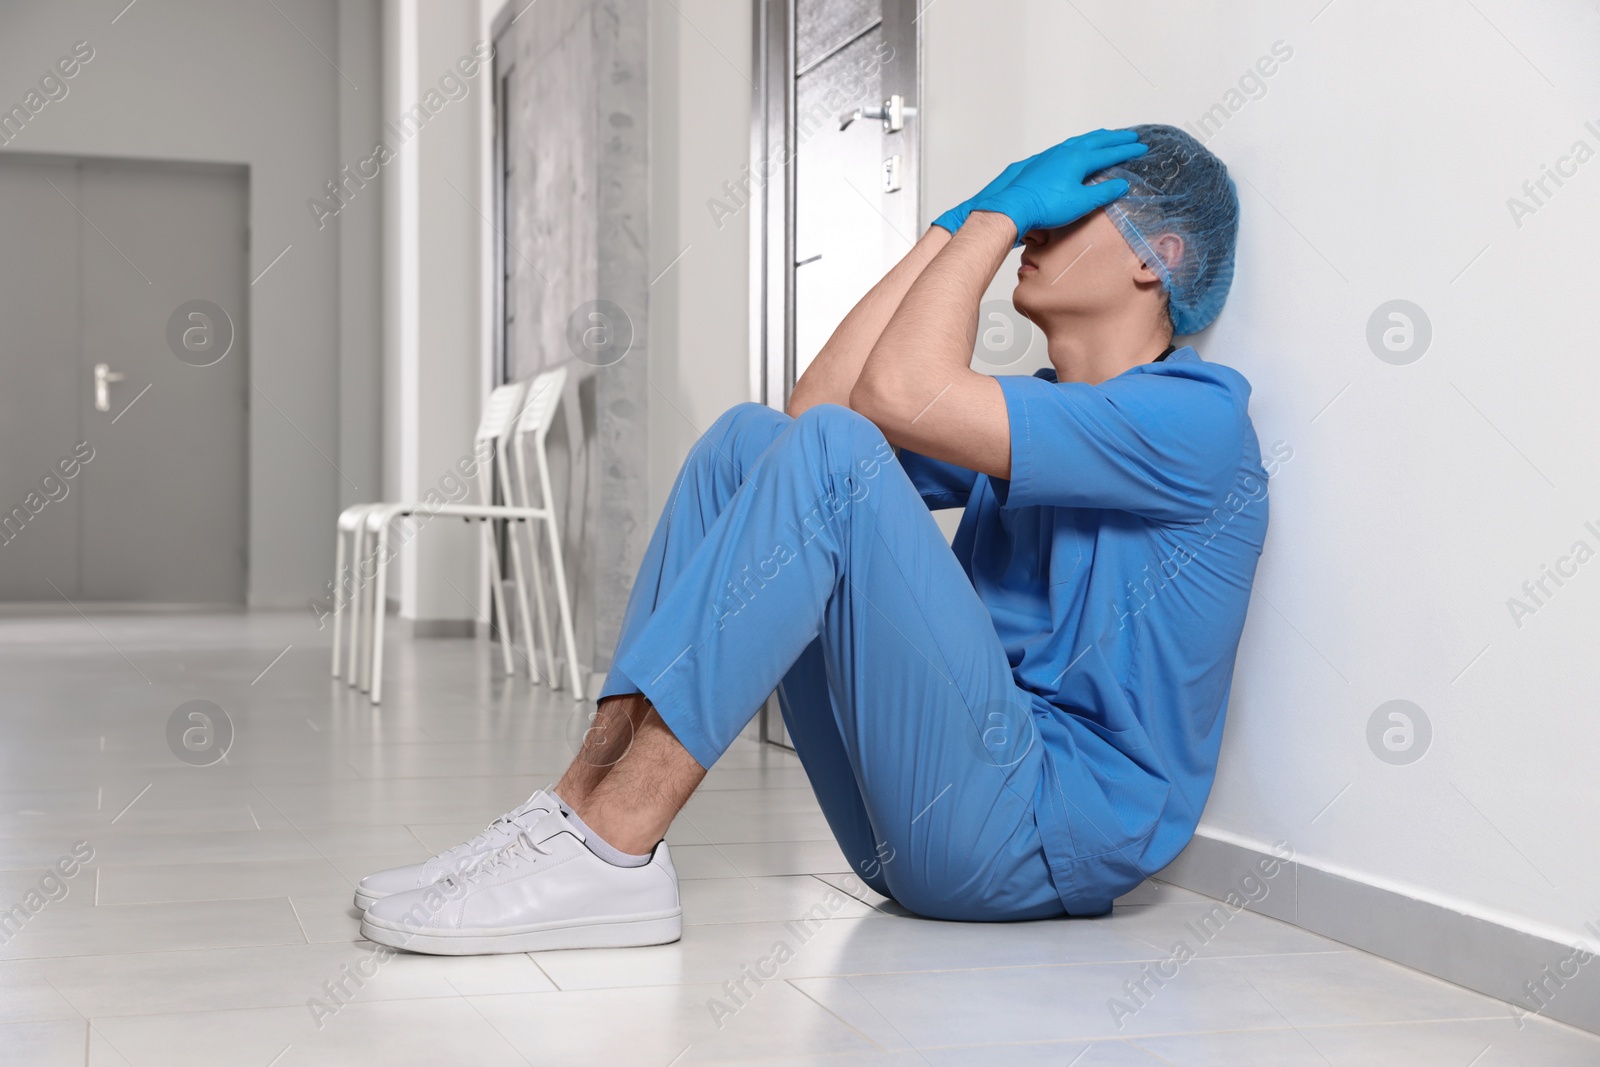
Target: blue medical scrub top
pixel 1116 565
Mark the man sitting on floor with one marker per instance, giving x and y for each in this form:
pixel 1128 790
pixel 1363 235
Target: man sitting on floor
pixel 1019 725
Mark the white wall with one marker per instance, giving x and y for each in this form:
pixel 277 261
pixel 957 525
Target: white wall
pixel 360 223
pixel 1376 166
pixel 237 83
pixel 700 95
pixel 433 354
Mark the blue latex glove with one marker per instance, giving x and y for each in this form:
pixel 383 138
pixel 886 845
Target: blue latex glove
pixel 951 220
pixel 1049 192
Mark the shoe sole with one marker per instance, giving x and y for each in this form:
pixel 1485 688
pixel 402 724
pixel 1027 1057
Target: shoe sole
pixel 619 932
pixel 365 900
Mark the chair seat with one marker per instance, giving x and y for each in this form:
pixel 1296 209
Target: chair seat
pixel 384 512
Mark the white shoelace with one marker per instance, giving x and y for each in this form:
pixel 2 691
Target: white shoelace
pixel 512 855
pixel 481 838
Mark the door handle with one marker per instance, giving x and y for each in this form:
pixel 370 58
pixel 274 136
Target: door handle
pixel 103 377
pixel 892 111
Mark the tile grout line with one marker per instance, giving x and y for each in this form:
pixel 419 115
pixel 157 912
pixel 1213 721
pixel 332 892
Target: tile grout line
pixel 547 975
pixel 296 913
pixel 131 803
pixel 876 1011
pixel 303 837
pixel 790 982
pixel 479 1012
pixel 1331 1025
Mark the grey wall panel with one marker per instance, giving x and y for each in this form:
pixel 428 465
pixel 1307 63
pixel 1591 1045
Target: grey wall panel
pixel 575 203
pixel 621 477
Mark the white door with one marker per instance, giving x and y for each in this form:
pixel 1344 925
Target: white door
pixel 855 186
pixel 837 94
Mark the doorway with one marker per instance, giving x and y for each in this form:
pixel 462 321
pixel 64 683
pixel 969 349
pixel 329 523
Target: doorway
pixel 124 399
pixel 836 138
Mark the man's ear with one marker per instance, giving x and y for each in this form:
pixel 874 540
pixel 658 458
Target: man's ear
pixel 1169 246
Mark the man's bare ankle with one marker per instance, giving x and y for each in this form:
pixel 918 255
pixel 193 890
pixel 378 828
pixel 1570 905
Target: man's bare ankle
pixel 632 807
pixel 607 738
pixel 620 830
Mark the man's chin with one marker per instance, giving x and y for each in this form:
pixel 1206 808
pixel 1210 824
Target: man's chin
pixel 1021 299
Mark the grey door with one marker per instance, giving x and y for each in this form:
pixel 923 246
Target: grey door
pixel 133 490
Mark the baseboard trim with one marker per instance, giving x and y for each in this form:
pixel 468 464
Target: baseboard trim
pixel 1532 974
pixel 418 629
pixel 25 608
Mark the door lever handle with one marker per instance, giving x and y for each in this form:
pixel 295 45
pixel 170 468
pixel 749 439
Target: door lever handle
pixel 103 377
pixel 892 111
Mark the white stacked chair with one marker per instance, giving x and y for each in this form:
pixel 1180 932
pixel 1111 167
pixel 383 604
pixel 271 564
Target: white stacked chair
pixel 369 525
pixel 514 415
pixel 538 413
pixel 489 448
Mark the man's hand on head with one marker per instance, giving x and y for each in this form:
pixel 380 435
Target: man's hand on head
pixel 918 384
pixel 1048 190
pixel 953 219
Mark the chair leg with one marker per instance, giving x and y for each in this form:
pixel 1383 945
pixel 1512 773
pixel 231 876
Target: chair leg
pixel 546 638
pixel 380 598
pixel 375 600
pixel 347 554
pixel 358 619
pixel 338 589
pixel 564 606
pixel 497 595
pixel 520 571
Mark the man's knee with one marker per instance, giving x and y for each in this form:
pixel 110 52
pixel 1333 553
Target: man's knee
pixel 835 417
pixel 748 417
pixel 739 435
pixel 845 437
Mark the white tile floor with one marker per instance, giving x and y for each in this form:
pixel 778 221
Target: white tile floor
pixel 217 904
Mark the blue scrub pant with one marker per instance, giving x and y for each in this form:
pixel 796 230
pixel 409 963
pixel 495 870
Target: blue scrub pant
pixel 795 554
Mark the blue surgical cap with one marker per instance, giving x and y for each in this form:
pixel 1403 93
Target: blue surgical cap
pixel 1179 187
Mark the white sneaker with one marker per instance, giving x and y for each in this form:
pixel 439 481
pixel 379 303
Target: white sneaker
pixel 545 890
pixel 496 835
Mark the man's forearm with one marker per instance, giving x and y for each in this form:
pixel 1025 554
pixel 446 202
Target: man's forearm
pixel 832 374
pixel 928 341
pixel 918 384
